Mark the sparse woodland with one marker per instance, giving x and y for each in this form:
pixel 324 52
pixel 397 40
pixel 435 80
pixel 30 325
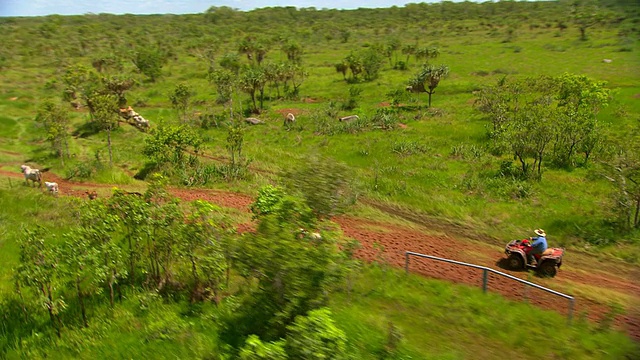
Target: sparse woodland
pixel 495 118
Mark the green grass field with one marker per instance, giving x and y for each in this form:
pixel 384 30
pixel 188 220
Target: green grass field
pixel 438 164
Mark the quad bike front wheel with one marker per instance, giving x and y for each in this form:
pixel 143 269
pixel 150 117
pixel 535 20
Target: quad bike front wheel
pixel 515 262
pixel 547 269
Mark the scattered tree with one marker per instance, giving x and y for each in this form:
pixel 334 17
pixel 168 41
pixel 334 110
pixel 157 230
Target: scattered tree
pixel 55 120
pixel 428 79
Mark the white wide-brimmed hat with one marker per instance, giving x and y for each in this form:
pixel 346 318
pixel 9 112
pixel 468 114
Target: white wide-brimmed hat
pixel 540 232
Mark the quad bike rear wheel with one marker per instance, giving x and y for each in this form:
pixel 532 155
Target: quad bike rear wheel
pixel 547 269
pixel 515 262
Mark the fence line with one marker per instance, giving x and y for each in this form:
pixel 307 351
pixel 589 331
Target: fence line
pixel 485 272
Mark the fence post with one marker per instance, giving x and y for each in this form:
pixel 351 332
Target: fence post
pixel 406 262
pixel 571 305
pixel 484 280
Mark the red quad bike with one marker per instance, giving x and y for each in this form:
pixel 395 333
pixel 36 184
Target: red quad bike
pixel 548 262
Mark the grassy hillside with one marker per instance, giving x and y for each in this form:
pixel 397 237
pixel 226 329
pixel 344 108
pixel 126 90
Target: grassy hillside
pixel 437 162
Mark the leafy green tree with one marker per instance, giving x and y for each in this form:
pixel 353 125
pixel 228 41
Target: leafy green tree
pixel 104 111
pixel 409 49
pixel 324 184
pixel 292 276
pixel 118 85
pixel 235 141
pixel 579 101
pixel 169 144
pixel 293 77
pixel 293 50
pixel 355 64
pixel 426 53
pixel 224 80
pixel 134 215
pixel 105 62
pixel 55 120
pixel 428 79
pixel 285 209
pixel 275 75
pixel 586 14
pixel 252 81
pixel 97 227
pixel 255 349
pixel 149 61
pixel 231 62
pixel 391 49
pixel 76 79
pixel 81 261
pixel 529 134
pixel 372 61
pixel 202 246
pixel 315 337
pixel 39 270
pixel 342 67
pixel 180 100
pixel 247 46
pixel 623 171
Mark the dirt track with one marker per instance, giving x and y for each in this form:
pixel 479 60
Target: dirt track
pixel 395 240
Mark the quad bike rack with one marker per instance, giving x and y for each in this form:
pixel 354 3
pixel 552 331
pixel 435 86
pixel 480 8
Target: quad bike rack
pixel 485 272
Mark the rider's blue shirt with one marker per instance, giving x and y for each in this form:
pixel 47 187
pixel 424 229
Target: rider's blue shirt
pixel 539 243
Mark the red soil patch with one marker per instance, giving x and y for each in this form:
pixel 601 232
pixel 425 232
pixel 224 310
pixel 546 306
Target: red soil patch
pixel 396 240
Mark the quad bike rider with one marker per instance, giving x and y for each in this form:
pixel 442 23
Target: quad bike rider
pixel 534 253
pixel 535 246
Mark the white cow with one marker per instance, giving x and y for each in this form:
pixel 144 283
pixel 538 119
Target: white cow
pixel 140 121
pixel 254 121
pixel 52 187
pixel 349 118
pixel 31 174
pixel 289 118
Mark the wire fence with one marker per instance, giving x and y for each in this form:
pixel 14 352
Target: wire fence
pixel 485 273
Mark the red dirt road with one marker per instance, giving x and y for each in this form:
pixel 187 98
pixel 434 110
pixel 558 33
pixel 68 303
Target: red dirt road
pixel 395 240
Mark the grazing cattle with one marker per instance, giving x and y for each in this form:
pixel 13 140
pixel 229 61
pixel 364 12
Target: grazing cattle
pixel 305 234
pixel 138 120
pixel 607 61
pixel 31 174
pixel 52 187
pixel 254 121
pixel 289 119
pixel 349 118
pixel 91 194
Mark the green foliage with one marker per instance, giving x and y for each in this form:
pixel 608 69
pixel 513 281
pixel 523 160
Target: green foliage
pixel 254 349
pixel 324 184
pixel 38 270
pixel 180 99
pixel 224 80
pixel 269 197
pixel 170 144
pixel 55 120
pixel 352 99
pixel 539 116
pixel 149 61
pixel 315 336
pixel 252 81
pixel 294 275
pixel 118 85
pixel 428 79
